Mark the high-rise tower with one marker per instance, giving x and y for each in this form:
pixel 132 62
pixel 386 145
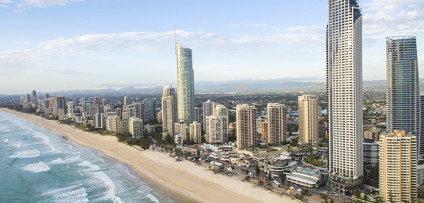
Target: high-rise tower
pixel 185 77
pixel 169 109
pixel 344 89
pixel 308 118
pixel 403 95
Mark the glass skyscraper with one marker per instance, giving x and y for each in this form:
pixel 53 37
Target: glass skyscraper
pixel 403 95
pixel 344 89
pixel 185 77
pixel 421 139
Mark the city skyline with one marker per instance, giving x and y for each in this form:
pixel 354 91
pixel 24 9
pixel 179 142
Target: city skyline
pixel 102 52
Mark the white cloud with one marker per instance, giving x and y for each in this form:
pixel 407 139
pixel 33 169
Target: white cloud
pixel 393 17
pixel 22 5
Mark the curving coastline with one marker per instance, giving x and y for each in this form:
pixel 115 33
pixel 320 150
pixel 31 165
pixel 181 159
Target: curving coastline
pixel 185 179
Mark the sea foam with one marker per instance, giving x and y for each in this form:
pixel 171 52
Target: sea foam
pixel 109 194
pixel 6 140
pixel 57 161
pixel 152 198
pixel 74 193
pixel 37 167
pixel 26 154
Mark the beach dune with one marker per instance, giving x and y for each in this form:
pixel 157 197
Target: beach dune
pixel 186 180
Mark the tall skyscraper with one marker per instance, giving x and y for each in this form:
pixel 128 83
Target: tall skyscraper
pixel 169 109
pixel 398 167
pixel 403 95
pixel 246 126
pixel 421 138
pixel 198 115
pixel 208 109
pixel 126 100
pixel 344 89
pixel 277 124
pixel 308 118
pixel 149 109
pixel 185 79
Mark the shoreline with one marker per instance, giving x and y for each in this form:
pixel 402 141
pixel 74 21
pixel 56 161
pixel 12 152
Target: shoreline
pixel 180 180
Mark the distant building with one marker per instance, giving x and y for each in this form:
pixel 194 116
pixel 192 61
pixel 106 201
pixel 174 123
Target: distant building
pixel 421 140
pixel 70 109
pixel 306 177
pixel 308 119
pixel 135 127
pixel 198 115
pixel 264 130
pixel 149 110
pixel 126 101
pixel 246 126
pixel 277 123
pixel 322 130
pixel 208 110
pixel 179 139
pixel 216 129
pixel 196 132
pixel 398 167
pixel 169 109
pixel 180 129
pixel 371 162
pixel 159 117
pixel 420 175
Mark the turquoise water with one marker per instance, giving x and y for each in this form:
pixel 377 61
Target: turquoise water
pixel 37 165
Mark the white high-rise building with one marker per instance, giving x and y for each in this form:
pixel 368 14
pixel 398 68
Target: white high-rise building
pixel 208 110
pixel 169 109
pixel 180 129
pixel 185 79
pixel 308 119
pixel 277 124
pixel 344 89
pixel 246 126
pixel 196 132
pixel 70 109
pixel 135 127
pixel 398 167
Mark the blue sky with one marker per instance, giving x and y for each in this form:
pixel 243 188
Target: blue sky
pixel 52 45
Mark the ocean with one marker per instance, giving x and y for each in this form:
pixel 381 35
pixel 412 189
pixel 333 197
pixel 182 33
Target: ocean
pixel 37 165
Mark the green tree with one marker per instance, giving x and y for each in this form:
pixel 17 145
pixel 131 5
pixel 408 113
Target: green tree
pixel 332 201
pixel 247 178
pixel 357 193
pixel 283 178
pixel 257 170
pixel 324 197
pixel 365 197
pixel 269 176
pixel 391 197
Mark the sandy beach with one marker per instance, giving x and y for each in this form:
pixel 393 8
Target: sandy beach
pixel 185 179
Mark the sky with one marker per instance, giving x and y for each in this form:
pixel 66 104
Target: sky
pixel 53 45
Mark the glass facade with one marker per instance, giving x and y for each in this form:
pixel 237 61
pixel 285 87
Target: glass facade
pixel 185 79
pixel 403 101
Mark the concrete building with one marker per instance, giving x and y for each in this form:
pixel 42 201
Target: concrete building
pixel 196 132
pixel 420 175
pixel 344 90
pixel 208 110
pixel 308 119
pixel 264 130
pixel 306 177
pixel 180 129
pixel 216 129
pixel 185 80
pixel 398 167
pixel 421 140
pixel 169 109
pixel 277 123
pixel 149 110
pixel 135 127
pixel 403 94
pixel 70 109
pixel 198 115
pixel 246 126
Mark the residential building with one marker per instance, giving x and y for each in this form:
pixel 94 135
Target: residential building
pixel 149 110
pixel 277 123
pixel 180 129
pixel 308 119
pixel 371 162
pixel 398 167
pixel 246 126
pixel 169 109
pixel 135 127
pixel 344 89
pixel 208 110
pixel 216 129
pixel 196 132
